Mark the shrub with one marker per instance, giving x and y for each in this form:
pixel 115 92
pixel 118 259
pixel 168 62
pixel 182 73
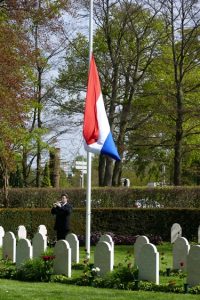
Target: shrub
pixel 31 270
pixel 186 196
pixel 124 223
pixel 195 290
pixel 37 269
pixel 7 269
pixel 118 239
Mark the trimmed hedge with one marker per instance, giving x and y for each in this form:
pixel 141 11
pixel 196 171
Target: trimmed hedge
pixel 185 197
pixel 124 221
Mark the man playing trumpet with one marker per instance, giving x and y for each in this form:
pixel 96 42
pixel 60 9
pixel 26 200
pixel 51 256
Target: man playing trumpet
pixel 62 210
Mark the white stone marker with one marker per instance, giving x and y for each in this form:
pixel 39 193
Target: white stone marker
pixel 23 251
pixel 73 241
pixel 139 243
pixel 193 266
pixel 176 231
pixel 103 257
pixel 107 238
pixel 62 261
pixel 181 249
pixel 199 235
pixel 148 264
pixel 21 232
pixel 39 243
pixel 9 246
pixel 2 233
pixel 42 229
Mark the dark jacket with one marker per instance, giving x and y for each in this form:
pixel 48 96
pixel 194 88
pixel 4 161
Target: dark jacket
pixel 62 216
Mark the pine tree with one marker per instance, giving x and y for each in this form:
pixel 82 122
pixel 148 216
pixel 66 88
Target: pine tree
pixel 46 176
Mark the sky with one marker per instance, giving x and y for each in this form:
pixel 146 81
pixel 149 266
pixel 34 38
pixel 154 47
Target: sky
pixel 71 143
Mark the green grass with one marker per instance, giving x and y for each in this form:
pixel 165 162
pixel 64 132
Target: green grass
pixel 10 289
pixel 122 251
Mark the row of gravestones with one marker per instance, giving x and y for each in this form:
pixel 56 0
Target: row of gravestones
pixel 66 251
pixel 22 232
pixel 23 250
pixel 176 231
pixel 185 257
pixel 146 258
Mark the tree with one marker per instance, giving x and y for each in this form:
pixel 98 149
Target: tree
pixel 15 179
pixel 45 30
pixel 54 165
pixel 125 43
pixel 180 78
pixel 14 91
pixel 46 182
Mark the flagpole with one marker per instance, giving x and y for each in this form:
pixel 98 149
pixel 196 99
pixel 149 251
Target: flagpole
pixel 89 155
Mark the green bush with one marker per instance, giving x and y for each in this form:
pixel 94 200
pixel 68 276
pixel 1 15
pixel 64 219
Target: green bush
pixel 122 221
pixel 37 269
pixel 195 290
pixel 120 278
pixel 7 269
pixel 169 197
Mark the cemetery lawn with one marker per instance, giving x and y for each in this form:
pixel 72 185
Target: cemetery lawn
pixel 124 255
pixel 11 289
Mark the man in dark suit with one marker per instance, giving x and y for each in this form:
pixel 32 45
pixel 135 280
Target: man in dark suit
pixel 62 210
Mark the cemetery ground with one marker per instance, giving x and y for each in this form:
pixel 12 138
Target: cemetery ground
pixel 12 289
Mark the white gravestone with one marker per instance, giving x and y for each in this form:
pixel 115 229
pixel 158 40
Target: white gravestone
pixel 193 266
pixel 62 261
pixel 139 243
pixel 107 238
pixel 23 251
pixel 176 231
pixel 42 229
pixel 199 235
pixel 9 246
pixel 181 249
pixel 39 243
pixel 103 257
pixel 73 241
pixel 148 264
pixel 2 233
pixel 21 232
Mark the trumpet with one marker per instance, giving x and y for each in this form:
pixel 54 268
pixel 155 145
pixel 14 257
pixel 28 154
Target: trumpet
pixel 58 203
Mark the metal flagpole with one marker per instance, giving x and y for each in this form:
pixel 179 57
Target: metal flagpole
pixel 89 155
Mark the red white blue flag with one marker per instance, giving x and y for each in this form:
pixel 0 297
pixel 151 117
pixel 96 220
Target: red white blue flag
pixel 96 129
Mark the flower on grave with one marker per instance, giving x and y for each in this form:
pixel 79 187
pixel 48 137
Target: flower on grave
pixel 95 271
pixel 48 257
pixel 47 267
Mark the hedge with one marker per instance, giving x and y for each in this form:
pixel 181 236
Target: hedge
pixel 124 221
pixel 185 197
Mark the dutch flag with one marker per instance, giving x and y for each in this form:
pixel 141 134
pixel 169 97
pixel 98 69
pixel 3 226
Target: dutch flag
pixel 96 129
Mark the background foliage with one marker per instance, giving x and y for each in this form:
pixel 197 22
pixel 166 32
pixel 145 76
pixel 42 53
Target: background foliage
pixel 121 221
pixel 186 197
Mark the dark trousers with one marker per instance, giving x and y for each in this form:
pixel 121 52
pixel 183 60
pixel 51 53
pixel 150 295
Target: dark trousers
pixel 62 234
